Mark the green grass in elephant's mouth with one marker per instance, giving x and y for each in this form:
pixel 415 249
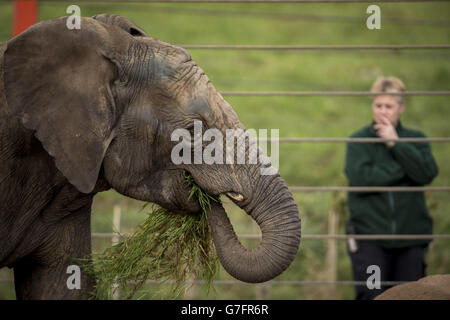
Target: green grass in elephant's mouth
pixel 165 247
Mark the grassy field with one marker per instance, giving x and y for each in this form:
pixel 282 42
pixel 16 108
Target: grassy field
pixel 304 164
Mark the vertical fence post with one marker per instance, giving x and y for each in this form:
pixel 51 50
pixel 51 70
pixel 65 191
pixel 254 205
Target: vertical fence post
pixel 189 293
pixel 115 240
pixel 263 291
pixel 25 14
pixel 333 222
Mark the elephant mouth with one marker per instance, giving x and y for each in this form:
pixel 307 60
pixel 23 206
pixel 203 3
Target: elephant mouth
pixel 236 197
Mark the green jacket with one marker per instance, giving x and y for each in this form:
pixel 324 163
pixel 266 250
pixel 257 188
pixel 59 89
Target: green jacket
pixel 404 164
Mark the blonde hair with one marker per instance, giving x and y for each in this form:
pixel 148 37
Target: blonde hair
pixel 389 84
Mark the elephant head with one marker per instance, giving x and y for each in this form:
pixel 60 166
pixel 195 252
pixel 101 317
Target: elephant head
pixel 104 101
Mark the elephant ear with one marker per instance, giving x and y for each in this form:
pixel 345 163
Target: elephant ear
pixel 57 82
pixel 121 22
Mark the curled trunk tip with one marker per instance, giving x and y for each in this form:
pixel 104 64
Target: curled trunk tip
pixel 280 240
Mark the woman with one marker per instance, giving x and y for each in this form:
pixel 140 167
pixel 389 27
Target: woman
pixel 391 163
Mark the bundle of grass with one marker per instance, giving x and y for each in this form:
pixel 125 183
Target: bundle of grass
pixel 167 247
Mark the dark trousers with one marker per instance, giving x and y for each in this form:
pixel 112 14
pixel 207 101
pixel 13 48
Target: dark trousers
pixel 397 264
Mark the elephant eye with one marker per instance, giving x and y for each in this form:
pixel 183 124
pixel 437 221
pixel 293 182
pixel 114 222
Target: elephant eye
pixel 135 32
pixel 192 127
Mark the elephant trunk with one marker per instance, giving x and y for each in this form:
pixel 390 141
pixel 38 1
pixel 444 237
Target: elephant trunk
pixel 276 213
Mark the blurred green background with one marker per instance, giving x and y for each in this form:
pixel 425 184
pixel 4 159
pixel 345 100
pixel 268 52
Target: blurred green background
pixel 305 164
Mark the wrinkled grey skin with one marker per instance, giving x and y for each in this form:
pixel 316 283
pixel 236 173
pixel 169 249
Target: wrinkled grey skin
pixel 434 287
pixel 83 111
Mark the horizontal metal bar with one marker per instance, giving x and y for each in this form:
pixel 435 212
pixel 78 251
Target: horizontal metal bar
pixel 330 236
pixel 6 280
pixel 332 93
pixel 361 236
pixel 333 283
pixel 367 189
pixel 312 47
pixel 283 283
pixel 273 14
pixel 356 140
pixel 270 283
pixel 105 235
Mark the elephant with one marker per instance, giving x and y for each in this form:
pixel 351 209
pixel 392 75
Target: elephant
pixel 434 287
pixel 91 109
